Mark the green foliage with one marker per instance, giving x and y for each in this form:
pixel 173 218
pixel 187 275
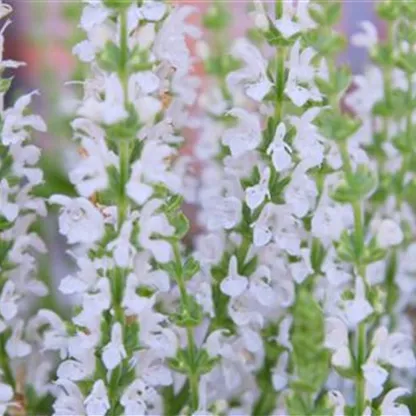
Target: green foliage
pixel 358 186
pixel 310 358
pixel 335 126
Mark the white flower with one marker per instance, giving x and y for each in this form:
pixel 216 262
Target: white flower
pixel 256 194
pixel 245 136
pixel 152 10
pixel 394 349
pixel 280 151
pixel 253 75
pixel 300 86
pixel 261 286
pixel 97 403
pixel 90 174
pixel 94 302
pixel 123 250
pixel 264 226
pixel 77 369
pixel 154 334
pixel 133 302
pixel 8 301
pixel 375 377
pixel 15 346
pixel 336 333
pixel 93 14
pixel 294 20
pixel 327 222
pixel 336 339
pixel 389 405
pixel 280 376
pixel 389 234
pixel 80 221
pixel 136 189
pixel 85 278
pixel 109 111
pixel 24 159
pixel 210 248
pixel 224 213
pixel 151 223
pixel 54 337
pixel 138 398
pixel 170 43
pixel 302 269
pixel 243 310
pixel 69 400
pixel 307 140
pixel 234 284
pixel 8 210
pixel 368 38
pixel 153 169
pixel 15 123
pixel 114 352
pixel 301 193
pixel 357 309
pixel 6 392
pixel 337 400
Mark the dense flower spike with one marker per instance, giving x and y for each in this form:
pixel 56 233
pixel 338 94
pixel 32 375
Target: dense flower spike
pixel 126 342
pixel 20 249
pixel 295 296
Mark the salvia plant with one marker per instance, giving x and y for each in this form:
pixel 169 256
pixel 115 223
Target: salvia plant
pixel 291 291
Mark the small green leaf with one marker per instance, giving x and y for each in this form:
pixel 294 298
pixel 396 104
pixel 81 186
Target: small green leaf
pixel 359 186
pixel 190 268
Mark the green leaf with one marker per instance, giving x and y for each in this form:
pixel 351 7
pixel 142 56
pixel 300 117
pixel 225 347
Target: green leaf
pixel 181 224
pixel 388 9
pixel 317 255
pixel 109 58
pixel 337 84
pixel 190 268
pixel 373 252
pixel 346 249
pixel 359 186
pixel 310 357
pixel 217 17
pixel 117 4
pixel 325 42
pixel 189 315
pixel 5 84
pixel 336 126
pixel 204 363
pixel 126 129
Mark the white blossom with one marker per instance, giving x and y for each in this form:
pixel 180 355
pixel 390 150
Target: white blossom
pixel 253 76
pixel 245 136
pixel 280 151
pixel 97 403
pixel 80 221
pixel 114 352
pixel 234 284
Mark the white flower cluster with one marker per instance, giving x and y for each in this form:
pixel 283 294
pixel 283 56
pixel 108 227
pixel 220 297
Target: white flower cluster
pixel 297 296
pixel 124 226
pixel 20 244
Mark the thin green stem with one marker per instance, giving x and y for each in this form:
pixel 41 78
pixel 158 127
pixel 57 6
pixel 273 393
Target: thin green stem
pixel 193 374
pixel 123 146
pixel 360 384
pixel 280 69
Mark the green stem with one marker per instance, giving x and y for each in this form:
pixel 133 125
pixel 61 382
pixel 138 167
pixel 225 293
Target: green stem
pixel 124 155
pixel 280 69
pixel 123 146
pixel 193 374
pixel 361 355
